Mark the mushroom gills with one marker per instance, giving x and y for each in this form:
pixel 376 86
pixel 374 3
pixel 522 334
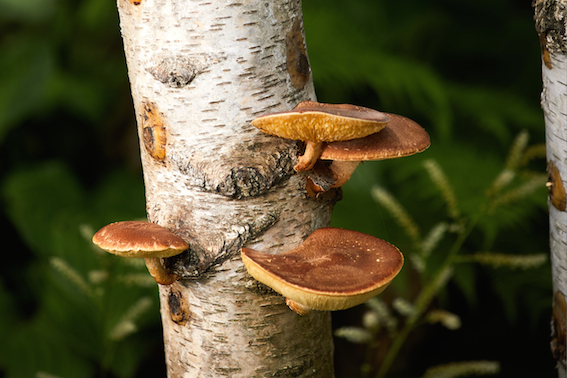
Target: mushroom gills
pixel 315 123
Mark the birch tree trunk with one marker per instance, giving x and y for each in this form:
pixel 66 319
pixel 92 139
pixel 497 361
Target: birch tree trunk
pixel 200 71
pixel 551 25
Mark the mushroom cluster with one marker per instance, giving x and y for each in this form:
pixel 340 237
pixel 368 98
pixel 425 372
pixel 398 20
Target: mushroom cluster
pixel 346 134
pixel 315 123
pixel 335 269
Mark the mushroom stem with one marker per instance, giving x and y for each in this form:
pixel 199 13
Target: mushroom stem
pixel 342 170
pixel 309 158
pixel 158 271
pixel 297 307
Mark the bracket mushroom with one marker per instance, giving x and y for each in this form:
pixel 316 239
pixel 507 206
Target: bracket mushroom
pixel 333 269
pixel 315 123
pixel 400 137
pixel 142 240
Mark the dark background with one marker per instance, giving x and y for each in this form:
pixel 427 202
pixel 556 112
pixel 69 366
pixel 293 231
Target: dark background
pixel 468 71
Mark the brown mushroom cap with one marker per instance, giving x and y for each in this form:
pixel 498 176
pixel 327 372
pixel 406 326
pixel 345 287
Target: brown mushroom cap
pixel 317 122
pixel 333 269
pixel 139 239
pixel 400 137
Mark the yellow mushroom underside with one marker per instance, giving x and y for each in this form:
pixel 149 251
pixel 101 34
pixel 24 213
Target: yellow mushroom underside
pixel 316 127
pixel 156 251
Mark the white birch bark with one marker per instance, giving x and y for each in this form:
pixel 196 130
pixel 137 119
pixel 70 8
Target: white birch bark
pixel 551 25
pixel 200 71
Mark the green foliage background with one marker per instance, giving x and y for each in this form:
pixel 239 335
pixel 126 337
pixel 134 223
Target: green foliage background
pixel 468 71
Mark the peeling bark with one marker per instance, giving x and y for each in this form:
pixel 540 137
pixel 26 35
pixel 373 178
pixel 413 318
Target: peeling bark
pixel 551 25
pixel 200 72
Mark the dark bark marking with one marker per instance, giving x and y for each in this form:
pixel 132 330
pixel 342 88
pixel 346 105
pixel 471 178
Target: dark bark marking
pixel 551 24
pixel 247 171
pixel 195 262
pixel 178 308
pixel 296 57
pixel 175 72
pixel 555 187
pixel 260 288
pixel 154 133
pixel 319 179
pixel 544 51
pixel 559 327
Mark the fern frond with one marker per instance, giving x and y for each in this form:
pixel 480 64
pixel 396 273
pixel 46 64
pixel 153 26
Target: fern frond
pixel 504 178
pixel 418 262
pixel 404 307
pixel 42 374
pixel 86 231
pixel 460 369
pixel 397 211
pixel 431 289
pixel 442 182
pixel 433 238
pixel 536 151
pixel 127 325
pixel 122 330
pixel 355 335
pixel 532 184
pixel 383 313
pixel 97 276
pixel 445 318
pixel 371 320
pixel 516 152
pixel 72 275
pixel 498 260
pixel 515 159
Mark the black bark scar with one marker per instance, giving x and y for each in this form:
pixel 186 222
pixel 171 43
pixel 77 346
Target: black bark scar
pixel 194 262
pixel 249 171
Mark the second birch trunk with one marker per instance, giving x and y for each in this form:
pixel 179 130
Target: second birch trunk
pixel 551 25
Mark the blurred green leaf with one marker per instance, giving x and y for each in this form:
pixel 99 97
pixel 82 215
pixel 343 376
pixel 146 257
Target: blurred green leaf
pixel 25 67
pixel 38 347
pixel 469 72
pixel 40 199
pixel 81 296
pixel 26 10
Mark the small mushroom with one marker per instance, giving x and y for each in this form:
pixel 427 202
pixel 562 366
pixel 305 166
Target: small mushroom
pixel 315 123
pixel 142 240
pixel 333 269
pixel 400 137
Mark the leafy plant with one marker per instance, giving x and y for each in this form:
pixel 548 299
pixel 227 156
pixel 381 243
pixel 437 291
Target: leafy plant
pixel 89 303
pixel 469 72
pixel 514 184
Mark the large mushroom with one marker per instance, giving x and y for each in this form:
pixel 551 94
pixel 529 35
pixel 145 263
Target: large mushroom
pixel 315 123
pixel 142 240
pixel 400 137
pixel 333 269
